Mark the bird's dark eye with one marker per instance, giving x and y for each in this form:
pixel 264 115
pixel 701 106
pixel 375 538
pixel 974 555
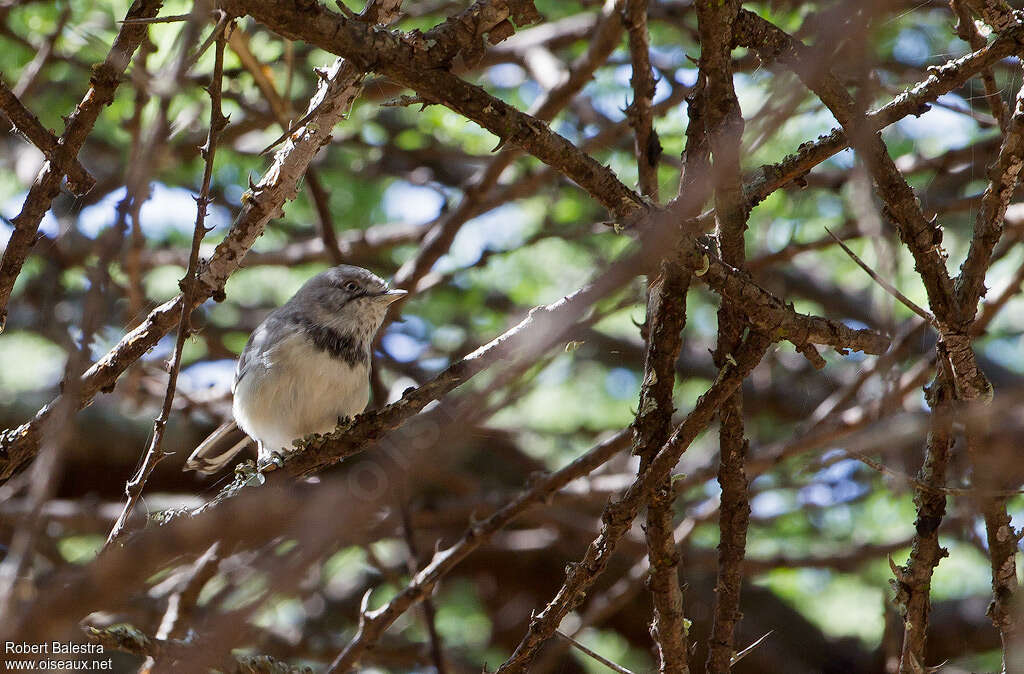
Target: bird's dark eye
pixel 352 286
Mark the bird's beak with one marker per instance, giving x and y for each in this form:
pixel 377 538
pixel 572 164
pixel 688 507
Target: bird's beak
pixel 389 296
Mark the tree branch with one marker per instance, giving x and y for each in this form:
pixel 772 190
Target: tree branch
pixel 264 201
pixel 373 623
pixel 619 514
pixel 154 452
pixel 79 179
pixel 420 65
pixel 912 582
pixel 666 317
pixel 1004 176
pixel 725 131
pixel 105 78
pixel 646 144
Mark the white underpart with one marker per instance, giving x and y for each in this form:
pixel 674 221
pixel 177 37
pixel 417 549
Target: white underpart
pixel 297 389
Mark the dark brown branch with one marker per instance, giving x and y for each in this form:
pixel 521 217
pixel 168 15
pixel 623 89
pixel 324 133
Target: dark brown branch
pixel 619 514
pixel 912 582
pixel 373 623
pixel 770 314
pixel 104 81
pixel 666 317
pixel 155 451
pixel 646 145
pixel 1004 176
pixel 79 180
pixel 725 131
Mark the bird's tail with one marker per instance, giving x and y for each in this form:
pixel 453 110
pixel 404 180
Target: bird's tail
pixel 218 449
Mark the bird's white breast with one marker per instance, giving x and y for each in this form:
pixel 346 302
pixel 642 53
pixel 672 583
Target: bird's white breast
pixel 297 389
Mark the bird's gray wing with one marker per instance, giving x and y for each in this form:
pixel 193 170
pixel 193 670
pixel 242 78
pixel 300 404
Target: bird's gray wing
pixel 258 353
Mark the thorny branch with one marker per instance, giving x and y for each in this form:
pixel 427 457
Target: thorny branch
pixel 640 113
pixel 619 514
pixel 670 244
pixel 264 202
pixel 373 623
pixel 155 452
pixel 666 317
pixel 724 128
pixel 104 81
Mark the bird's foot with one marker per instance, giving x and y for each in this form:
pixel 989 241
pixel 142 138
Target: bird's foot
pixel 344 423
pixel 273 461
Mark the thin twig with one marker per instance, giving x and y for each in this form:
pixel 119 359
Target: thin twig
pixel 888 287
pixel 429 610
pixel 290 129
pixel 215 34
pixel 157 19
pixel 155 452
pixel 373 623
pixel 746 651
pixel 599 658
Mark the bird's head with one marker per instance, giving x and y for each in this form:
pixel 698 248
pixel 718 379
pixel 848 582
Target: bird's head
pixel 350 298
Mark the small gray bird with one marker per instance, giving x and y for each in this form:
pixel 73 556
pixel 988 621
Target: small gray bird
pixel 303 368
